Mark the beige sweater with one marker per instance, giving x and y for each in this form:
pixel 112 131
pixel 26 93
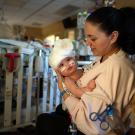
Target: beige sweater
pixel 115 82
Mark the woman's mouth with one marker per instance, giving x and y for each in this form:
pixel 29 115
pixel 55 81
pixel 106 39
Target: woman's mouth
pixel 93 49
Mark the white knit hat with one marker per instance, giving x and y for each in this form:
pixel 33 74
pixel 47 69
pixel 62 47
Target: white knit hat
pixel 62 48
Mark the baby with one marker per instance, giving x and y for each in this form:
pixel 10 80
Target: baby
pixel 62 60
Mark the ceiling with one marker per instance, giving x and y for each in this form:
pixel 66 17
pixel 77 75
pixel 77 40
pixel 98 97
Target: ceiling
pixel 39 13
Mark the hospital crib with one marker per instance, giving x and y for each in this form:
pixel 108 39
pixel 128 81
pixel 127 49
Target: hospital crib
pixel 24 93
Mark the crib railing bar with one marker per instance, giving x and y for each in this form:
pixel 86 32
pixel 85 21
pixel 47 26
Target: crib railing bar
pixel 8 99
pixel 19 91
pixel 29 90
pixel 45 85
pixel 52 88
pixel 57 95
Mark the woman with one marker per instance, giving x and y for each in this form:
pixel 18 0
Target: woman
pixel 110 33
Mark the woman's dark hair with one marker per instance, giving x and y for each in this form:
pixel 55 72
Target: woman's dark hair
pixel 122 20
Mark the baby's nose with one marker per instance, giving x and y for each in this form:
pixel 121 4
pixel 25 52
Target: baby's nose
pixel 71 63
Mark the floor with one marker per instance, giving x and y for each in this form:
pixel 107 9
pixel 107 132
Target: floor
pixel 132 132
pixel 29 130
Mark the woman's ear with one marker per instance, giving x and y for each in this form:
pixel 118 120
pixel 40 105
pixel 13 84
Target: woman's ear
pixel 114 36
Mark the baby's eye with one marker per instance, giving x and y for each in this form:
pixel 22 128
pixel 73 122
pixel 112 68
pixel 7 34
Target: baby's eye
pixel 61 65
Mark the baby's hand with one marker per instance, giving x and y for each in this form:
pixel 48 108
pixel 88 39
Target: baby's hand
pixel 58 73
pixel 90 86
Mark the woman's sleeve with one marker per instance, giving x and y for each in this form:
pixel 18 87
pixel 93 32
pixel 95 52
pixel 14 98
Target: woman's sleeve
pixel 95 101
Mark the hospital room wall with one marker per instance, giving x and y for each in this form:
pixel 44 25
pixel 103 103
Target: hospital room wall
pixel 56 29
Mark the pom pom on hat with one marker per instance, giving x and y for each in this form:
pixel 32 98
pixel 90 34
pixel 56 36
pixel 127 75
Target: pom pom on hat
pixel 62 48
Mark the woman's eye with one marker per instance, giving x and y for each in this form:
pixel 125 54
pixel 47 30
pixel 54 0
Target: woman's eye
pixel 93 39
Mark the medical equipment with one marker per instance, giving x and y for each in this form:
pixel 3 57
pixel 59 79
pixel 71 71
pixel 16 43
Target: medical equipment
pixel 103 117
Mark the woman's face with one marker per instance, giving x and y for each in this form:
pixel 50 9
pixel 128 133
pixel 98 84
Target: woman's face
pixel 67 66
pixel 99 42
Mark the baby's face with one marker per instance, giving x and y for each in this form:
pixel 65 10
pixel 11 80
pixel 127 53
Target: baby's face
pixel 67 66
